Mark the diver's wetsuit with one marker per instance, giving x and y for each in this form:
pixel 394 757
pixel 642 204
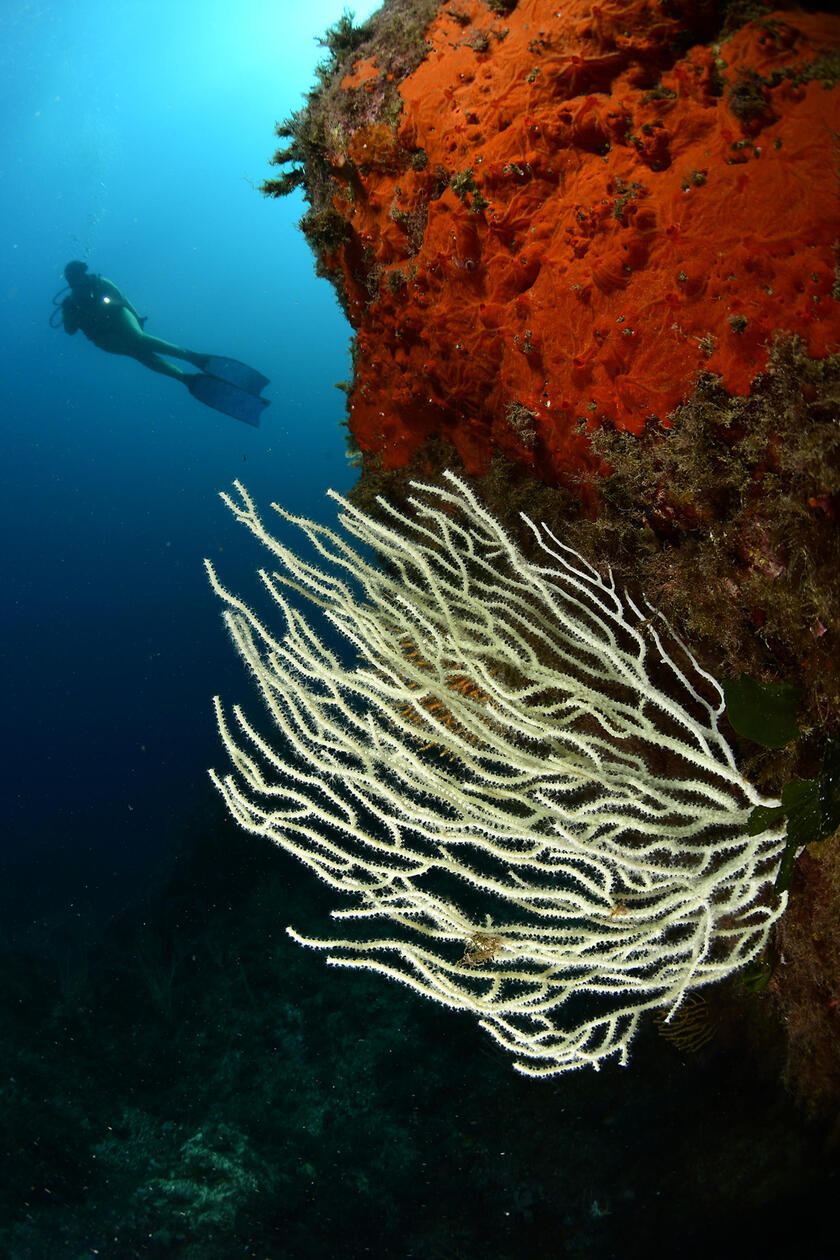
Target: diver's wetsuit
pixel 109 320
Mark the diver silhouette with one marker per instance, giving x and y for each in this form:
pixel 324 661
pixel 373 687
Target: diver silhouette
pixel 107 318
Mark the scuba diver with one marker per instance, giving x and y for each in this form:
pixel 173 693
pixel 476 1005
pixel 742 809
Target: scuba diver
pixel 107 318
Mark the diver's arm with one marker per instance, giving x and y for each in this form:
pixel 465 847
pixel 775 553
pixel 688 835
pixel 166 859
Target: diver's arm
pixel 70 316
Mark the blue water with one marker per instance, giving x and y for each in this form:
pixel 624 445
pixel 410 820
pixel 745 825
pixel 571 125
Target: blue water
pixel 179 1081
pixel 135 137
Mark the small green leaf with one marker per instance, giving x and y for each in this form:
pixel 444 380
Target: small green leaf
pixel 785 871
pixel 801 803
pixel 763 712
pixel 763 818
pixel 812 809
pixel 758 977
pixel 801 806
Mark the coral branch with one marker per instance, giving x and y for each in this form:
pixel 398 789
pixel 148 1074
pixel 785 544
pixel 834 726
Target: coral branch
pixel 519 780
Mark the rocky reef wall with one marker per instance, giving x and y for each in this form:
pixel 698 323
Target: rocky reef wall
pixel 561 216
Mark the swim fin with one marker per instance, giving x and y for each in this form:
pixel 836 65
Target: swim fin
pixel 232 371
pixel 225 397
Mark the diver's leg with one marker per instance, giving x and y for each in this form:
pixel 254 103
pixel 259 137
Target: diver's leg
pixel 154 345
pixel 152 351
pixel 130 339
pixel 157 364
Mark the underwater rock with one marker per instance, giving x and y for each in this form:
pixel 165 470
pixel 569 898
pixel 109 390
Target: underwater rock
pixel 557 218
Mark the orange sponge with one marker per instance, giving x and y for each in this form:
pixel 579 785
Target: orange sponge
pixel 576 214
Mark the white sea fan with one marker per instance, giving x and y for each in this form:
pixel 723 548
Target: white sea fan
pixel 515 776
